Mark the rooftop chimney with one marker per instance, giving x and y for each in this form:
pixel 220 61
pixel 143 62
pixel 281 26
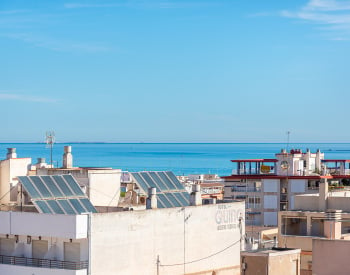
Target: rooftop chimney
pixel 151 202
pixel 332 224
pixel 11 153
pixel 196 197
pixel 67 157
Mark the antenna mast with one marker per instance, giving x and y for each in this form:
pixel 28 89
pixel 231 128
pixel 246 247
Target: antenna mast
pixel 50 140
pixel 288 134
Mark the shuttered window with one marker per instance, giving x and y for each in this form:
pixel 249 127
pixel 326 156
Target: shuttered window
pixel 72 252
pixel 39 249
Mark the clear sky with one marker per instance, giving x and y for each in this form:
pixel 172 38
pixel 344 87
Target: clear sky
pixel 175 71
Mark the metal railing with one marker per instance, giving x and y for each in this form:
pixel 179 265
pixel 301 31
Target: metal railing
pixel 245 189
pixel 45 263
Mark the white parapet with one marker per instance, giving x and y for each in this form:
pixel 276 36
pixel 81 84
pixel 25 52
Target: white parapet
pixel 50 225
pixel 25 270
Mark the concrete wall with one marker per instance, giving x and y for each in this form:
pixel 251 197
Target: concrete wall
pixel 342 203
pixel 206 237
pixel 307 202
pixel 330 257
pixel 271 262
pixel 10 169
pixel 104 187
pixel 35 224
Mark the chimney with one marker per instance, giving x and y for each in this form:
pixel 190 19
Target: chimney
pixel 196 197
pixel 41 163
pixel 151 202
pixel 332 224
pixel 11 153
pixel 323 195
pixel 67 157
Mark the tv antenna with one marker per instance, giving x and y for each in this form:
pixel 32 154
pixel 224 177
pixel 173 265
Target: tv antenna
pixel 288 134
pixel 50 140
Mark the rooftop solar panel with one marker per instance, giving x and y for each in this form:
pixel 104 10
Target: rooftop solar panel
pixel 43 207
pixel 175 181
pixel 29 187
pixel 55 207
pixel 77 206
pixel 170 192
pixel 141 183
pixel 73 185
pixel 88 205
pixel 159 182
pixel 164 201
pixel 173 200
pixel 63 186
pixel 45 193
pixel 51 185
pixel 150 182
pixel 166 181
pixel 181 199
pixel 67 207
pixel 59 194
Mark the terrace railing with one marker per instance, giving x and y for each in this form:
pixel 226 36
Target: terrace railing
pixel 45 263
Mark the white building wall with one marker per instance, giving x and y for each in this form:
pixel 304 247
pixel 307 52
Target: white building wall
pixel 50 225
pixel 128 242
pixel 10 169
pixel 104 187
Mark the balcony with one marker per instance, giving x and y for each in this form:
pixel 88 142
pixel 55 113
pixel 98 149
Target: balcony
pixel 68 268
pixel 246 189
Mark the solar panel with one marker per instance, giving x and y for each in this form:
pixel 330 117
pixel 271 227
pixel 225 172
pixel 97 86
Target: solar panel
pixel 88 205
pixel 175 181
pixel 73 185
pixel 55 207
pixel 63 186
pixel 182 200
pixel 173 200
pixel 29 187
pixel 164 201
pixel 66 206
pixel 41 187
pixel 77 206
pixel 140 182
pixel 43 207
pixel 51 185
pixel 170 192
pixel 159 182
pixel 59 194
pixel 166 181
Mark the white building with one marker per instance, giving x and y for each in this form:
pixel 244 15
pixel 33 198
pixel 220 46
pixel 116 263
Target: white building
pixel 269 185
pixel 203 239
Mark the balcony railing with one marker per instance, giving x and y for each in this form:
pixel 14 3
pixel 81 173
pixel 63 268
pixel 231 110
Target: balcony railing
pixel 45 263
pixel 245 189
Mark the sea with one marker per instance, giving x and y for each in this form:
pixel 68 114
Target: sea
pixel 181 158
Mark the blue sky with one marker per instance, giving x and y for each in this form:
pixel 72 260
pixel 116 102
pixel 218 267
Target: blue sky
pixel 175 71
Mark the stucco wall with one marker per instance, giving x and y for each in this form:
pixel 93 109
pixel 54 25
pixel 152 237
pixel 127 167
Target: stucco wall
pixel 306 202
pixel 50 225
pixel 104 187
pixel 10 169
pixel 130 242
pixel 330 257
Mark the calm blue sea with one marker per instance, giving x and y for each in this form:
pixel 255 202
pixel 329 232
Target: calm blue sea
pixel 181 158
